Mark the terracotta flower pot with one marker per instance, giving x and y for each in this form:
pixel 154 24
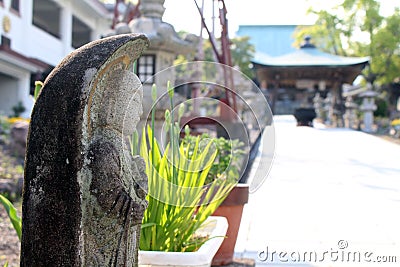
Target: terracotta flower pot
pixel 232 209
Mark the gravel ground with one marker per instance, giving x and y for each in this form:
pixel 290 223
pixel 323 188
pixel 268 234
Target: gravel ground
pixel 9 243
pixel 10 169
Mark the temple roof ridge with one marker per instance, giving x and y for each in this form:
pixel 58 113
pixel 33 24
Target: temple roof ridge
pixel 308 56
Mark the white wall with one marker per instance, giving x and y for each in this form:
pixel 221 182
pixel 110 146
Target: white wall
pixel 33 42
pixel 8 91
pixel 15 89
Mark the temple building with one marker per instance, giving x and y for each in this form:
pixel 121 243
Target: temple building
pixel 292 80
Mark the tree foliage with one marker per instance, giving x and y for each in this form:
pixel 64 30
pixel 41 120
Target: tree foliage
pixel 242 52
pixel 356 28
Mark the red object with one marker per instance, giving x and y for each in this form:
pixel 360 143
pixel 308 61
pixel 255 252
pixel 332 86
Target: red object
pixel 232 209
pixel 225 56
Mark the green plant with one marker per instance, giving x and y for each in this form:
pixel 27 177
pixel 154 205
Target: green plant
pixel 16 221
pixel 382 109
pixel 179 199
pixel 38 88
pixel 18 109
pixel 228 161
pixel 5 125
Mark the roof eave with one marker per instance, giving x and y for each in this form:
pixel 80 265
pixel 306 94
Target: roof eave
pixel 98 8
pixel 272 65
pixel 21 61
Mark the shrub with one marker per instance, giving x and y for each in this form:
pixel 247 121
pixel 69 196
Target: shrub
pixel 179 198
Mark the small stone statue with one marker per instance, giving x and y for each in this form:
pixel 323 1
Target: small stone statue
pixel 84 194
pixel 116 195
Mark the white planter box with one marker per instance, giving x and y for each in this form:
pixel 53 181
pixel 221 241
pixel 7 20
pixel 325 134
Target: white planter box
pixel 216 227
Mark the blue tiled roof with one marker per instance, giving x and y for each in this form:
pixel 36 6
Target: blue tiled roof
pixel 273 44
pixel 308 57
pixel 271 40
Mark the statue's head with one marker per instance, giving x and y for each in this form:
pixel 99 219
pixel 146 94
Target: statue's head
pixel 121 102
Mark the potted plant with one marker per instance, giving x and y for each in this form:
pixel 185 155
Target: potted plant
pixel 180 200
pixel 227 164
pixel 233 204
pixel 231 208
pixel 214 229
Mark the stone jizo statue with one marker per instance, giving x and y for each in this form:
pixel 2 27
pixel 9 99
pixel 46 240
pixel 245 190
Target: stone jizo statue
pixel 84 194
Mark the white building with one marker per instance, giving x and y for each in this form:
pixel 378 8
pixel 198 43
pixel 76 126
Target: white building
pixel 36 35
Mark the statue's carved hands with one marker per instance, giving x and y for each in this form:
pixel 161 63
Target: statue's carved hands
pixel 108 186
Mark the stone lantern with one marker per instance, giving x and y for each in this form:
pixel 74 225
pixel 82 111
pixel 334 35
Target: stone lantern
pixel 165 45
pixel 328 108
pixel 350 116
pixel 319 106
pixel 368 107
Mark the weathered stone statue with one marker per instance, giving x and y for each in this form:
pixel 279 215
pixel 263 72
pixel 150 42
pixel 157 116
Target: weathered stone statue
pixel 84 194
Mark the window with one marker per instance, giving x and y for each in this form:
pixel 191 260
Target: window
pixel 145 68
pixel 46 16
pixel 80 33
pixel 5 42
pixel 14 5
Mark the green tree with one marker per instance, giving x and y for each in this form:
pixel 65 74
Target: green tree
pixel 356 28
pixel 385 50
pixel 242 51
pixel 324 32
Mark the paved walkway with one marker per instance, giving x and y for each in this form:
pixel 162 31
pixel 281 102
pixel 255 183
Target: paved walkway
pixel 332 195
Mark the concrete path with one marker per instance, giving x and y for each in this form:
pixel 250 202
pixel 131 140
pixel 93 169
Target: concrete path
pixel 332 198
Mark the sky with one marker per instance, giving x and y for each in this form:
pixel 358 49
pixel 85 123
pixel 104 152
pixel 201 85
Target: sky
pixel 183 14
